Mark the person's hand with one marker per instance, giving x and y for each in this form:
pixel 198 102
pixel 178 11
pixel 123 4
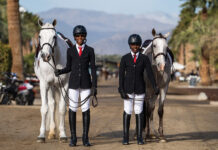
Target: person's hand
pixel 93 91
pixel 156 90
pixel 57 72
pixel 123 95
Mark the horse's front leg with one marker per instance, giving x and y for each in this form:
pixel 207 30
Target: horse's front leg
pixel 161 112
pixel 62 112
pixel 44 110
pixel 150 110
pixel 51 103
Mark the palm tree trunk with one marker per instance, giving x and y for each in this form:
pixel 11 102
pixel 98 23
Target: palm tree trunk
pixel 26 48
pixel 205 67
pixel 14 35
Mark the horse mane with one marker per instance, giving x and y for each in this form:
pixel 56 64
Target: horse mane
pixel 161 36
pixel 146 46
pixel 68 41
pixel 37 50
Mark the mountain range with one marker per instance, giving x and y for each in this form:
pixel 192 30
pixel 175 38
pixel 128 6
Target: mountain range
pixel 108 33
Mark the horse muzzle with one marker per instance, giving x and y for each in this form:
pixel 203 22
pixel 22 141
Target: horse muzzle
pixel 161 67
pixel 46 57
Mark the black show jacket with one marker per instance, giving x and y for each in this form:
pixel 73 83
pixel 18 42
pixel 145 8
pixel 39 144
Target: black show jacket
pixel 79 68
pixel 131 78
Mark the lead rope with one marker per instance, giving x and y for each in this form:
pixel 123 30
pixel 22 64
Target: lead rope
pixel 82 102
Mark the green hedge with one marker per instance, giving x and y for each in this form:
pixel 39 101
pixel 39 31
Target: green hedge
pixel 29 63
pixel 5 58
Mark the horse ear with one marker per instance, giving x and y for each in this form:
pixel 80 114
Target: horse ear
pixel 153 32
pixel 54 22
pixel 40 22
pixel 167 35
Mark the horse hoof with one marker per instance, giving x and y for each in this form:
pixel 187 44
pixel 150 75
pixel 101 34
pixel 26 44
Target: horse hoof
pixel 63 139
pixel 40 140
pixel 147 140
pixel 153 136
pixel 51 136
pixel 135 136
pixel 162 140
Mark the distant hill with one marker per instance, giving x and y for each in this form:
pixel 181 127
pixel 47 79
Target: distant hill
pixel 107 33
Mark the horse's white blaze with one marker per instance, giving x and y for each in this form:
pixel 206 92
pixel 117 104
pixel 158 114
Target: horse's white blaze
pixel 48 80
pixel 160 47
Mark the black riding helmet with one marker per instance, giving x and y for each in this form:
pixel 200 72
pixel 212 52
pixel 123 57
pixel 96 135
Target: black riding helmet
pixel 135 39
pixel 79 29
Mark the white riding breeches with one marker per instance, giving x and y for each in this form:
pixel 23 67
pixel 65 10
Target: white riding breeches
pixel 134 99
pixel 74 95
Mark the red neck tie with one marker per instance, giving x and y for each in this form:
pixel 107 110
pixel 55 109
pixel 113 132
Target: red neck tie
pixel 80 50
pixel 134 58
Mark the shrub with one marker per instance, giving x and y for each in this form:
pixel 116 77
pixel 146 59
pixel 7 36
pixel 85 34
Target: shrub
pixel 5 58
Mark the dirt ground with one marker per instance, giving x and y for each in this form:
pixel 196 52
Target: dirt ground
pixel 189 124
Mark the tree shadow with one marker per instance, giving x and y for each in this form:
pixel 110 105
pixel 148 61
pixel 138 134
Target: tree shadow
pixel 204 136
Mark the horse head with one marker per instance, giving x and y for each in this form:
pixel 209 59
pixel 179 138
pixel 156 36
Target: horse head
pixel 159 49
pixel 47 40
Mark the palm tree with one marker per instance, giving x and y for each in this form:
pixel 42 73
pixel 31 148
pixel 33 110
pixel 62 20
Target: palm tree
pixel 14 35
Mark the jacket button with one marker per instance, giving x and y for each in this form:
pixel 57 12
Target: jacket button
pixel 79 74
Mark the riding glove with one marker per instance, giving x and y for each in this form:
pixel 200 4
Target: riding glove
pixel 57 72
pixel 93 91
pixel 123 95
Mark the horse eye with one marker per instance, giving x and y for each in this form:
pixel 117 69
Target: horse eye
pixel 55 37
pixel 154 45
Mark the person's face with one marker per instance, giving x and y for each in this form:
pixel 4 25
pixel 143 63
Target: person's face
pixel 134 48
pixel 80 38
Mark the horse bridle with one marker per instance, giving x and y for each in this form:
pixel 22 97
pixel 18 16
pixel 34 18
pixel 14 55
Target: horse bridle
pixel 52 47
pixel 158 54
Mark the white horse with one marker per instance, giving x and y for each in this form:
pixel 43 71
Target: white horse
pixel 52 54
pixel 161 66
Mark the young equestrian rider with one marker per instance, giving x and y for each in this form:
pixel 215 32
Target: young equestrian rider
pixel 79 58
pixel 132 86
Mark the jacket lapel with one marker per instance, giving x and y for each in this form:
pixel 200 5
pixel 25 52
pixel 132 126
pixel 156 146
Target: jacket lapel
pixel 131 59
pixel 75 50
pixel 84 50
pixel 138 59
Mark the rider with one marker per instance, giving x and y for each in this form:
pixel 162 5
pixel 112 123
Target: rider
pixel 132 86
pixel 79 58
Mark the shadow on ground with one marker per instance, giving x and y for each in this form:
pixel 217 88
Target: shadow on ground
pixel 204 136
pixel 116 136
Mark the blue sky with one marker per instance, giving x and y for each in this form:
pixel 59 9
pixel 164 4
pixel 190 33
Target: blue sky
pixel 134 7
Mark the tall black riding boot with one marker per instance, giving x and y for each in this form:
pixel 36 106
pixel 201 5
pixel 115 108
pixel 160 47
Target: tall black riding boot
pixel 72 121
pixel 139 126
pixel 86 123
pixel 126 124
